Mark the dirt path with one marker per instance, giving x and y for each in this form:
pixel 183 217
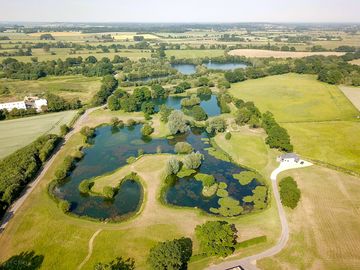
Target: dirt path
pixel 249 263
pixel 91 245
pixel 31 186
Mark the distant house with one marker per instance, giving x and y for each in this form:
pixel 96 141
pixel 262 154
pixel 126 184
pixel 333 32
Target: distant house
pixel 39 103
pixel 288 157
pixel 13 105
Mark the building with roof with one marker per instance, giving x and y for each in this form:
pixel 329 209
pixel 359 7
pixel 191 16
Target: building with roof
pixel 29 102
pixel 288 157
pixel 9 106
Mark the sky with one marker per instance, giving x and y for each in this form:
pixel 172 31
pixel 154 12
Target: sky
pixel 180 10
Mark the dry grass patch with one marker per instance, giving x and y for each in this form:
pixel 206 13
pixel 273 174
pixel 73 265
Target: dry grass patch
pixel 353 94
pixel 278 54
pixel 324 228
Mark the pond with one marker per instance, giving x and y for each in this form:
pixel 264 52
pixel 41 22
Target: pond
pixel 186 69
pixel 208 103
pixel 112 146
pixel 224 66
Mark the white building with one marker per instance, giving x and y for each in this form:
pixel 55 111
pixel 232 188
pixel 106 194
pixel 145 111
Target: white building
pixel 288 157
pixel 39 103
pixel 12 105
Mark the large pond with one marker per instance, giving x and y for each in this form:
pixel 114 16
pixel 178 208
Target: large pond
pixel 186 69
pixel 112 146
pixel 208 103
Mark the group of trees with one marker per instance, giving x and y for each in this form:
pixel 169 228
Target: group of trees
pixel 289 192
pixel 177 122
pixel 19 168
pixel 108 85
pixel 247 113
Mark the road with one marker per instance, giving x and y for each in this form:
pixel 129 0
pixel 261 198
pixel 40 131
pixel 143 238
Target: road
pixel 249 263
pixel 11 211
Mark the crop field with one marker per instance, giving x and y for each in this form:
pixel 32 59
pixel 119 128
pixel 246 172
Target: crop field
pixel 194 53
pixel 278 54
pixel 324 227
pixel 18 133
pixel 68 87
pixel 296 98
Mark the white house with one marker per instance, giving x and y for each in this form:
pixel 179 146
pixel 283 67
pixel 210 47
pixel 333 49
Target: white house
pixel 39 103
pixel 12 105
pixel 288 157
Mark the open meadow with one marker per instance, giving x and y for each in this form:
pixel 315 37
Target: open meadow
pixel 324 227
pixel 68 87
pixel 18 133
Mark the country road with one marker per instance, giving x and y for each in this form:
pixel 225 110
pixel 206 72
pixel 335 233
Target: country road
pixel 249 263
pixel 11 211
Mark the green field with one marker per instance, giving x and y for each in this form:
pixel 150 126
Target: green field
pixel 331 142
pixel 18 133
pixel 296 98
pixel 68 87
pixel 194 53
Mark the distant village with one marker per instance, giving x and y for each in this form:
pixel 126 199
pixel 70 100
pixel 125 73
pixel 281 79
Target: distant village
pixel 28 103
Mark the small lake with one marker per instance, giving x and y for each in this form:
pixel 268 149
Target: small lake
pixel 208 103
pixel 112 146
pixel 186 69
pixel 224 66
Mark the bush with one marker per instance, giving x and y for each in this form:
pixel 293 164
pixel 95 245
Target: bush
pixel 216 238
pixel 114 121
pixel 198 113
pixel 87 132
pixel 289 192
pixel 227 136
pixel 146 130
pixel 109 192
pixel 172 166
pixel 85 186
pixel 193 160
pixel 64 129
pixel 65 206
pixel 173 254
pixel 204 91
pixel 183 148
pixel 216 124
pixel 131 122
pixel 64 169
pixel 189 102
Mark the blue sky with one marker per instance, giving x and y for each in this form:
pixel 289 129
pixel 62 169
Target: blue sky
pixel 181 10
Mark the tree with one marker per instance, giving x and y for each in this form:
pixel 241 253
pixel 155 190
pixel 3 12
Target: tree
pixel 165 112
pixel 141 94
pixel 172 166
pixel 289 192
pixel 148 107
pixel 177 122
pixel 113 103
pixel 2 115
pixel 192 101
pixel 183 148
pixel 236 75
pixel 216 238
pixel 193 160
pixel 158 91
pixel 198 113
pixel 64 129
pixel 46 37
pixel 146 130
pixel 108 192
pixel 181 87
pixel 91 59
pixel 87 132
pixel 216 124
pixel 172 255
pixel 118 264
pixel 23 261
pixel 203 91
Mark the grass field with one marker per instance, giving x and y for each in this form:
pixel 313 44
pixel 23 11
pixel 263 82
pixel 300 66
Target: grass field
pixel 331 142
pixel 39 220
pixel 18 133
pixel 324 227
pixel 68 87
pixel 296 98
pixel 194 53
pixel 278 54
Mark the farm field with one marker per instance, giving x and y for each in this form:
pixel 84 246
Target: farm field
pixel 331 142
pixel 194 53
pixel 39 218
pixel 296 98
pixel 278 54
pixel 353 94
pixel 68 87
pixel 18 133
pixel 324 227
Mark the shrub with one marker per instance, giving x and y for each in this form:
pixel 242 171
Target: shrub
pixel 198 113
pixel 114 121
pixel 203 91
pixel 289 192
pixel 85 186
pixel 173 254
pixel 131 122
pixel 146 130
pixel 183 148
pixel 216 124
pixel 65 206
pixel 64 129
pixel 108 192
pixel 64 169
pixel 189 102
pixel 227 136
pixel 216 238
pixel 193 160
pixel 172 166
pixel 87 132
